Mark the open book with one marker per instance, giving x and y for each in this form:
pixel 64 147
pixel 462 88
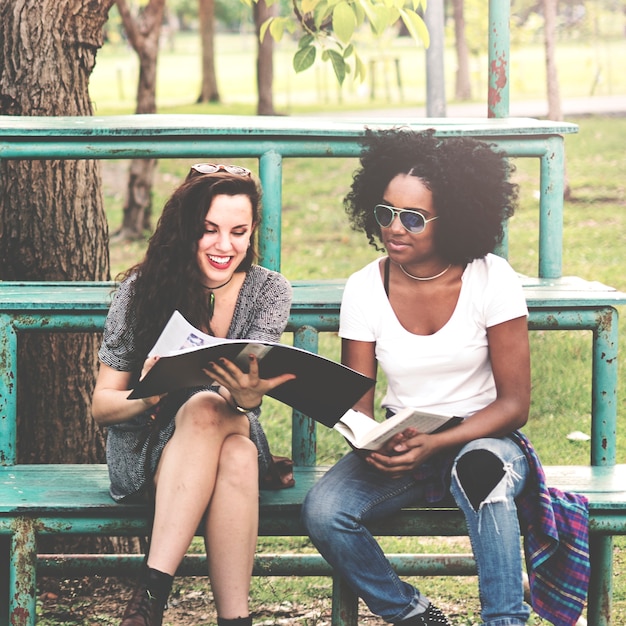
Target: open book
pixel 367 434
pixel 323 389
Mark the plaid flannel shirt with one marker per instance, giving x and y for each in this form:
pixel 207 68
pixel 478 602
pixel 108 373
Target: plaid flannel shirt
pixel 555 525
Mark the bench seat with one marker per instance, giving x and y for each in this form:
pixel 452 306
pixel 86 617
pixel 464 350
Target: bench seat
pixel 71 499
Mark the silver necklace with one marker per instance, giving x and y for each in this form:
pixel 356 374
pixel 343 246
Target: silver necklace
pixel 425 277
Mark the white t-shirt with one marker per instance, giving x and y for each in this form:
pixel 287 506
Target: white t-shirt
pixel 449 371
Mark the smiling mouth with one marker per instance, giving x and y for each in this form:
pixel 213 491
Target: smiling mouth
pixel 222 261
pixel 395 242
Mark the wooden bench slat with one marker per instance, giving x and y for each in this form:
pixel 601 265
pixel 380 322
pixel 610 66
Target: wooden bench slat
pixel 154 127
pixel 569 291
pixel 83 489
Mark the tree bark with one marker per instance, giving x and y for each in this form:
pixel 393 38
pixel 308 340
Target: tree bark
pixel 463 85
pixel 555 112
pixel 143 34
pixel 209 91
pixel 265 62
pixel 52 220
pixel 554 97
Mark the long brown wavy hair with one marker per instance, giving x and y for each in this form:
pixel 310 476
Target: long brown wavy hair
pixel 168 277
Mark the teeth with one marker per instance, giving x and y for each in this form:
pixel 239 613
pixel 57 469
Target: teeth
pixel 219 259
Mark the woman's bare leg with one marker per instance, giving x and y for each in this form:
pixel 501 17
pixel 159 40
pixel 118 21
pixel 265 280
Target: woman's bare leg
pixel 232 526
pixel 186 475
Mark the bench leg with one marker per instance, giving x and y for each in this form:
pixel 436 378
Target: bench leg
pixel 22 573
pixel 5 543
pixel 345 611
pixel 599 604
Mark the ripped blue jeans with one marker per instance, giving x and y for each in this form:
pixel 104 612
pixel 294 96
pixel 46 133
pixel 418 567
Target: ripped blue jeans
pixel 352 494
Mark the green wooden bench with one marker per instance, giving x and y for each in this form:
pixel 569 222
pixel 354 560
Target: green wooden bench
pixel 67 499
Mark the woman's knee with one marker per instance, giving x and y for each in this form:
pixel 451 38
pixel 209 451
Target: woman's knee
pixel 206 412
pixel 239 460
pixel 488 470
pixel 322 510
pixel 478 472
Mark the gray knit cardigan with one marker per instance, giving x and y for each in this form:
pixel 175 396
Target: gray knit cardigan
pixel 133 448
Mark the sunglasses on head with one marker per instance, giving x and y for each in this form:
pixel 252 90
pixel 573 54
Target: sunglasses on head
pixel 413 221
pixel 213 168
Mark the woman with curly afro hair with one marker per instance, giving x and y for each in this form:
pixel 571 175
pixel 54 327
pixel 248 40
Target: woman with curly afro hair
pixel 446 320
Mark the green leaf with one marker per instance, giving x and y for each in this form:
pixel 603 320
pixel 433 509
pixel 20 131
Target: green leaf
pixel 322 12
pixel 306 40
pixel 381 19
pixel 308 6
pixel 359 12
pixel 416 27
pixel 266 24
pixel 360 70
pixel 339 65
pixel 276 29
pixel 344 22
pixel 368 9
pixel 304 58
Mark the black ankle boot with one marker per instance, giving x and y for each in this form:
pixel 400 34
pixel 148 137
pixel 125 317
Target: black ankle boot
pixel 149 599
pixel 143 609
pixel 237 621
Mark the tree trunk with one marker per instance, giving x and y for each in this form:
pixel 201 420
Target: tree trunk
pixel 463 85
pixel 143 34
pixel 554 98
pixel 265 62
pixel 555 111
pixel 52 221
pixel 208 91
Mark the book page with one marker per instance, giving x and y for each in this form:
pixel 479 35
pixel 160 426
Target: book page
pixel 179 336
pixel 355 426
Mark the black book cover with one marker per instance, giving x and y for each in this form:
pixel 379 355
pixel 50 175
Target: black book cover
pixel 323 389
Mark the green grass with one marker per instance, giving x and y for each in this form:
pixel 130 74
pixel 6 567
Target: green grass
pixel 317 242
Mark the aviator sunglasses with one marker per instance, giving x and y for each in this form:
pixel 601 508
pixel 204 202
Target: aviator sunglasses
pixel 213 168
pixel 413 221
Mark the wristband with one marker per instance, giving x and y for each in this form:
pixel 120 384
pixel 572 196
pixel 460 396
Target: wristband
pixel 231 401
pixel 241 409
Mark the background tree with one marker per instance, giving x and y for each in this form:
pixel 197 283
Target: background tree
pixel 143 32
pixel 555 112
pixel 52 220
pixel 462 83
pixel 552 78
pixel 209 91
pixel 265 59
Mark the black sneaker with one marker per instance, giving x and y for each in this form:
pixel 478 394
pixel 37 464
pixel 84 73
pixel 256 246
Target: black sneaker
pixel 431 617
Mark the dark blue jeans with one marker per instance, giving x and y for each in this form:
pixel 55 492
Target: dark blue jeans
pixel 352 494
